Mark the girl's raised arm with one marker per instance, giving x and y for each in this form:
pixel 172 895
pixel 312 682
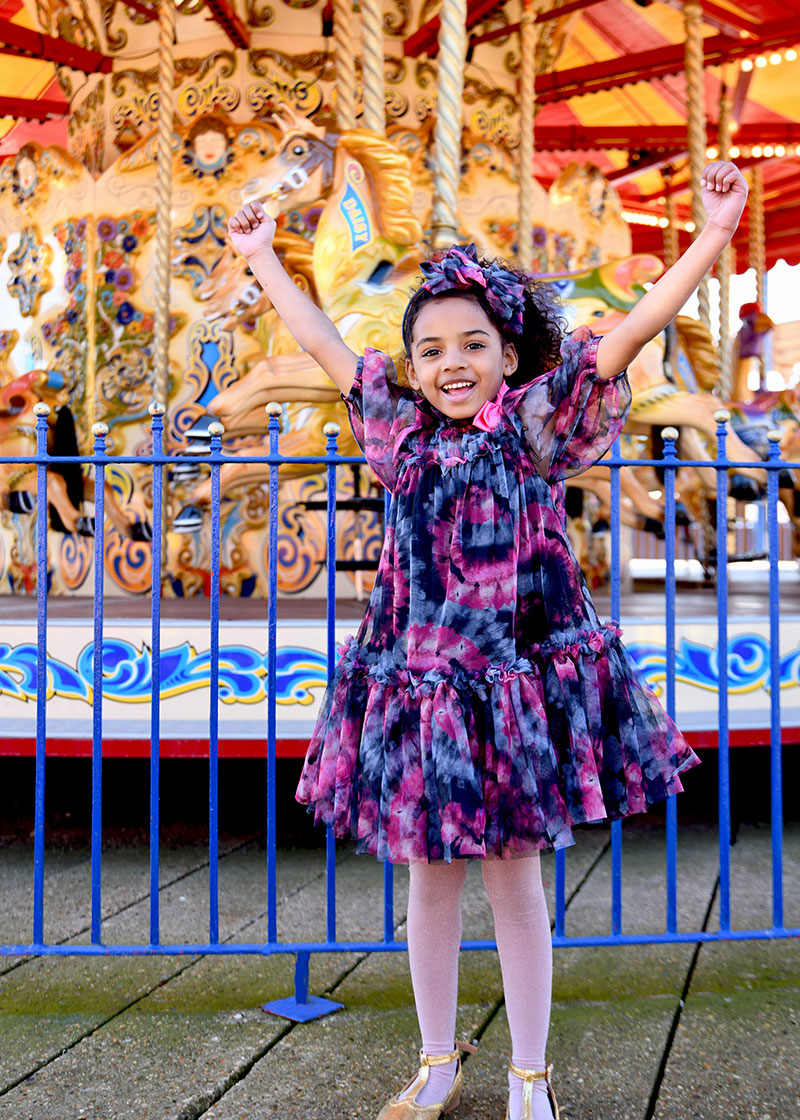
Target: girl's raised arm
pixel 251 231
pixel 724 196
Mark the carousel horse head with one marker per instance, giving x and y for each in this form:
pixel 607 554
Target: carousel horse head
pixel 601 297
pixel 301 170
pixel 312 165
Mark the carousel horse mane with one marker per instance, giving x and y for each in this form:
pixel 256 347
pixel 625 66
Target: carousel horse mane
pixel 701 351
pixel 391 183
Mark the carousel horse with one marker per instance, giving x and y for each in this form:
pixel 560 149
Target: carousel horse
pixel 367 244
pixel 67 487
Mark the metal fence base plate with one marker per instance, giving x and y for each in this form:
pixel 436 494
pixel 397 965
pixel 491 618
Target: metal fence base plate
pixel 314 1008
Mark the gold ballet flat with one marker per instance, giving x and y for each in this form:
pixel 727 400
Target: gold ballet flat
pixel 407 1108
pixel 528 1076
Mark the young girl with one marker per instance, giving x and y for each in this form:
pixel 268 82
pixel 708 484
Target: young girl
pixel 482 709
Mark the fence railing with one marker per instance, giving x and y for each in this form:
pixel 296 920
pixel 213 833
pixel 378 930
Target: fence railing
pixel 301 1005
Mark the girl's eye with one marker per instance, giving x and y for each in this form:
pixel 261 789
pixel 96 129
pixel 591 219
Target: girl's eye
pixel 475 345
pixel 431 352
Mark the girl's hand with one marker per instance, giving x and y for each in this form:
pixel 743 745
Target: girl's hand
pixel 251 229
pixel 724 194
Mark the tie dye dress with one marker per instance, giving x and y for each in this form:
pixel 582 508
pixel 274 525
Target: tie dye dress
pixel 483 709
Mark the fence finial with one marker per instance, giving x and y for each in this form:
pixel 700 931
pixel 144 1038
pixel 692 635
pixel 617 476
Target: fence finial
pixel 41 409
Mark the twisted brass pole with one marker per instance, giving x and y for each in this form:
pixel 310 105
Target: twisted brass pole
pixel 447 134
pixel 527 108
pixel 758 248
pixel 166 70
pixel 372 63
pixel 345 63
pixel 696 129
pixel 724 261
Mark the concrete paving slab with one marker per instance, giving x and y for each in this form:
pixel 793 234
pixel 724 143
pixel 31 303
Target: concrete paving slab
pixel 605 1058
pixel 67 886
pixel 735 1056
pixel 350 1063
pixel 228 1031
pixel 51 1004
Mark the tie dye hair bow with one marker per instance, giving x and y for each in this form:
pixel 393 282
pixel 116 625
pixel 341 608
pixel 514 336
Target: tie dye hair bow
pixel 460 268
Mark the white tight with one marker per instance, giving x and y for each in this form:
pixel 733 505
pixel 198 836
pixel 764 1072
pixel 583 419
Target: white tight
pixel 522 930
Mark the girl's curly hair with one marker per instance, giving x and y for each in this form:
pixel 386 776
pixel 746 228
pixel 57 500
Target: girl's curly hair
pixel 543 324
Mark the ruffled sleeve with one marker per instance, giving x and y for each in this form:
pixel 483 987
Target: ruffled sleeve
pixel 570 416
pixel 381 414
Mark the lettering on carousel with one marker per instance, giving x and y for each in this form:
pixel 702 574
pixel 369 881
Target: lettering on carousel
pixel 355 214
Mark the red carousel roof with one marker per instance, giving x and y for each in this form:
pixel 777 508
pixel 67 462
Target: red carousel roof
pixel 617 95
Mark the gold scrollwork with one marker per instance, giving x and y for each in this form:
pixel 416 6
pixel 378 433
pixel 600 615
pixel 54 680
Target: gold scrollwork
pixel 396 22
pixel 199 67
pixel 426 72
pixel 396 103
pixel 195 100
pixel 144 79
pixel 259 14
pixel 394 70
pixel 319 63
pixel 116 40
pixel 304 96
pixel 139 110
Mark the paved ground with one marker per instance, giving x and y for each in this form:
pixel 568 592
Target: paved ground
pixel 707 1032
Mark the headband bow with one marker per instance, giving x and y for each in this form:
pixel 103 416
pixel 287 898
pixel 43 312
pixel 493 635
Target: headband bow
pixel 460 268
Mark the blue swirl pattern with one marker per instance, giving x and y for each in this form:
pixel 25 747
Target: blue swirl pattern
pixel 127 670
pixel 128 673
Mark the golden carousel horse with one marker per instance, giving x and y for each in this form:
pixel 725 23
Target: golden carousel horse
pixel 364 258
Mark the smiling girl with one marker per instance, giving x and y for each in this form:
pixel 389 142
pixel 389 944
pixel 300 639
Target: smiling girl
pixel 483 709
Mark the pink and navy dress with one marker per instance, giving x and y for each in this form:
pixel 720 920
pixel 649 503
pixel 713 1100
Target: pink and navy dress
pixel 483 709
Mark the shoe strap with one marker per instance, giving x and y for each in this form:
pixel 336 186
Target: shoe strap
pixel 531 1074
pixel 445 1059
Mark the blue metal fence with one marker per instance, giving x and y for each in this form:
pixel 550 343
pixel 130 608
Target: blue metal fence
pixel 302 1005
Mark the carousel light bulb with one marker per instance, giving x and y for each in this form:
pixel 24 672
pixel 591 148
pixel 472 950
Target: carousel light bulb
pixel 747 64
pixel 775 58
pixel 761 61
pixel 689 227
pixel 663 222
pixel 769 150
pixel 734 152
pixel 711 153
pixel 790 55
pixel 757 151
pixel 780 150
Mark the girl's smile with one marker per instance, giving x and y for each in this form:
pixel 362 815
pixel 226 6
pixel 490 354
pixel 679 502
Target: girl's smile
pixel 458 358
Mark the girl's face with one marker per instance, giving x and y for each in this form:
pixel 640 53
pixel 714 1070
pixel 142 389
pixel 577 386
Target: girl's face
pixel 458 357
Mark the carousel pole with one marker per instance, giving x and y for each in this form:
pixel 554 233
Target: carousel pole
pixel 527 36
pixel 758 251
pixel 91 318
pixel 345 63
pixel 696 129
pixel 166 72
pixel 725 259
pixel 372 63
pixel 447 134
pixel 671 242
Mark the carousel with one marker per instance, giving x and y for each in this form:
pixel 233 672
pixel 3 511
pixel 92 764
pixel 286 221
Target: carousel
pixel 569 137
